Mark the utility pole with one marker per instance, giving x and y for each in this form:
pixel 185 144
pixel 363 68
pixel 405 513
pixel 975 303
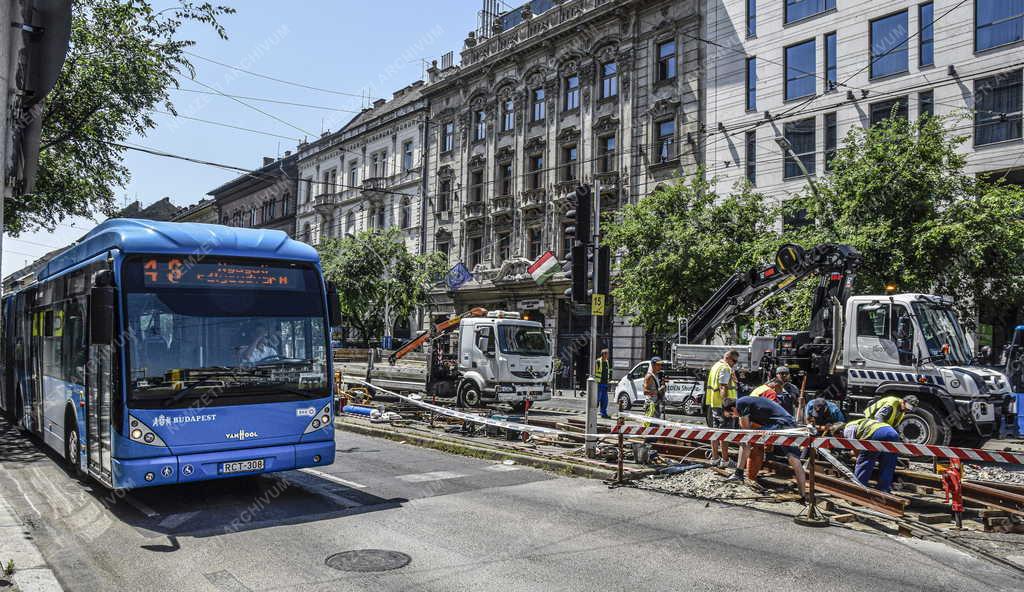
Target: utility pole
pixel 594 241
pixel 6 86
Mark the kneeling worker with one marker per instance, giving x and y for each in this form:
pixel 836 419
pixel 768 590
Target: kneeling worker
pixel 759 413
pixel 891 410
pixel 872 429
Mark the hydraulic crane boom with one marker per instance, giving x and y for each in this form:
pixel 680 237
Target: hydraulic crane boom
pixel 744 291
pixel 438 330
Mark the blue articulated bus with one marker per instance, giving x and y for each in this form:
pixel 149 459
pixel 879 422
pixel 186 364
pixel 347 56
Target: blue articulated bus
pixel 153 353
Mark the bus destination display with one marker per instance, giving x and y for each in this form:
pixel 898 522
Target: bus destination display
pixel 174 272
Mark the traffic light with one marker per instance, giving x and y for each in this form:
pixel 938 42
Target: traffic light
pixel 578 291
pixel 604 269
pixel 582 213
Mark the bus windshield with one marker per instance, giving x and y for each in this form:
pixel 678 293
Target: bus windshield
pixel 523 340
pixel 191 337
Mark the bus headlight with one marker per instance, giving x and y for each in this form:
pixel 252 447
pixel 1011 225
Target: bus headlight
pixel 142 433
pixel 320 420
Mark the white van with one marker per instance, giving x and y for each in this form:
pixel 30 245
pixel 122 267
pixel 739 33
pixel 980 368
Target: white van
pixel 684 392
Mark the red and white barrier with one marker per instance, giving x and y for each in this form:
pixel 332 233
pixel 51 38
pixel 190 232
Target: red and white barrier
pixel 705 434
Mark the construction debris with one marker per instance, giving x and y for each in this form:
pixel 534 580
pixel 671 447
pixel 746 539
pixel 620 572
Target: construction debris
pixel 700 483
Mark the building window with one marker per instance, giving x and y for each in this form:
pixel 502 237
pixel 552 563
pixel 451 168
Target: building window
pixel 350 223
pixel 997 22
pixel 382 221
pixel 800 9
pixel 751 18
pixel 997 108
pixel 538 104
pixel 831 138
pixel 926 103
pixel 801 137
pixel 926 34
pixel 889 45
pixel 480 125
pixel 476 185
pixel 443 247
pixel 800 68
pixel 606 154
pixel 572 92
pixel 444 195
pixel 407 156
pixel 666 60
pixel 609 80
pixel 252 218
pixel 752 84
pixel 831 70
pixel 568 240
pixel 533 243
pixel 569 158
pixel 353 173
pixel 504 251
pixel 751 157
pixel 536 171
pixel 307 232
pixel 508 115
pixel 405 213
pixel 476 248
pixel 505 178
pixel 879 112
pixel 666 140
pixel 448 137
pixel 307 189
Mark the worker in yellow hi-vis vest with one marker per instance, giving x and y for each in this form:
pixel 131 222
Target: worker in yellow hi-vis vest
pixel 721 386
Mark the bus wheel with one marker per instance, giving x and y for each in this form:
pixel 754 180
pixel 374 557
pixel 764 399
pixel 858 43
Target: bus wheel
pixel 470 396
pixel 19 411
pixel 72 445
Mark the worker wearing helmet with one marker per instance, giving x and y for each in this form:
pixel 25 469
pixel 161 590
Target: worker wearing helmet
pixel 891 410
pixel 871 429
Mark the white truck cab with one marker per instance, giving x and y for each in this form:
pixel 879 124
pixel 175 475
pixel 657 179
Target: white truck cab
pixel 913 344
pixel 503 359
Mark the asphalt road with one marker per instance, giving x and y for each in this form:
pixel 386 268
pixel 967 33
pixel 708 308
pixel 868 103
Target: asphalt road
pixel 466 524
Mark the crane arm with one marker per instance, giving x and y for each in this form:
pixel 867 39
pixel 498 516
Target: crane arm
pixel 438 330
pixel 743 292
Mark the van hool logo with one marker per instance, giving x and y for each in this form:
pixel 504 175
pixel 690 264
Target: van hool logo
pixel 241 435
pixel 164 420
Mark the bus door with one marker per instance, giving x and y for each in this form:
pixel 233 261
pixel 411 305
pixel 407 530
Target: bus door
pixel 100 381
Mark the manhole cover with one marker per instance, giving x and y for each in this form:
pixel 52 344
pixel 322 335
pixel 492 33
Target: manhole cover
pixel 368 560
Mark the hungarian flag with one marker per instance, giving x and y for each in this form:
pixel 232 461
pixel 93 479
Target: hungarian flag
pixel 544 267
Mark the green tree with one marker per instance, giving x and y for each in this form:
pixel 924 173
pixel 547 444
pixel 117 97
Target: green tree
pixel 378 280
pixel 123 59
pixel 679 244
pixel 899 193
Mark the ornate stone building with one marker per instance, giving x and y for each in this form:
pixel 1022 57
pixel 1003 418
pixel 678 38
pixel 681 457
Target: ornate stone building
pixel 588 91
pixel 264 198
pixel 369 174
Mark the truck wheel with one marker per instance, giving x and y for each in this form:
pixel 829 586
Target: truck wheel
pixel 470 395
pixel 518 407
pixel 924 426
pixel 624 403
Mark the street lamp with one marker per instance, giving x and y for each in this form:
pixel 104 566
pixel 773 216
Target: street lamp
pixel 787 147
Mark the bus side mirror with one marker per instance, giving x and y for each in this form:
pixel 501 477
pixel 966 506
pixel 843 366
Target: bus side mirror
pixel 101 315
pixel 333 305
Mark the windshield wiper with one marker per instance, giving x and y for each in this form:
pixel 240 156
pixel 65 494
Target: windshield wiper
pixel 181 394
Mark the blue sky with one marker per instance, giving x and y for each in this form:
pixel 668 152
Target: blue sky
pixel 347 46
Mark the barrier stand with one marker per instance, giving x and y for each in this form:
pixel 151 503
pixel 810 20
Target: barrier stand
pixel 433 399
pixel 812 517
pixel 619 477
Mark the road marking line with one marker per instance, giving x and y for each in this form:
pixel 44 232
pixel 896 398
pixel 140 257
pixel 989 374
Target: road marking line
pixel 432 476
pixel 140 506
pixel 503 468
pixel 330 477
